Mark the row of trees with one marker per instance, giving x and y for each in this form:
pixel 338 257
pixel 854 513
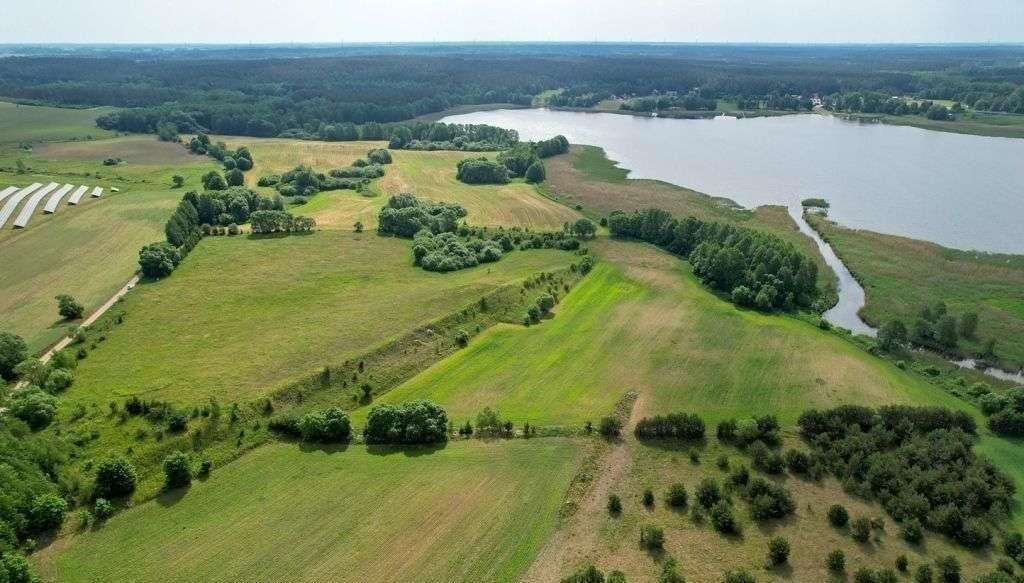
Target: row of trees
pixel 755 269
pixel 445 136
pixel 414 422
pixel 935 328
pixel 275 221
pixel 240 159
pixel 481 171
pixel 876 102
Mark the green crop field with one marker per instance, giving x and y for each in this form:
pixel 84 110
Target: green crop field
pixel 244 315
pixel 900 276
pixel 471 511
pixel 89 250
pixel 425 174
pixel 651 327
pixel 33 123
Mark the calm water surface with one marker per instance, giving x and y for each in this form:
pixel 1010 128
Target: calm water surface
pixel 957 190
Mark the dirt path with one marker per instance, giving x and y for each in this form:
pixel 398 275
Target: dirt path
pixel 578 537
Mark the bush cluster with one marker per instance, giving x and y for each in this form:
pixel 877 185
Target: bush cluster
pixel 681 426
pixel 405 215
pixel 917 462
pixel 444 136
pixel 756 269
pixel 447 252
pixel 481 171
pixel 280 222
pixel 414 422
pixel 329 426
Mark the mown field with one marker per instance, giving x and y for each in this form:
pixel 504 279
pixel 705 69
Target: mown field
pixel 285 513
pixel 244 315
pixel 32 123
pixel 642 322
pixel 88 250
pixel 901 276
pixel 425 174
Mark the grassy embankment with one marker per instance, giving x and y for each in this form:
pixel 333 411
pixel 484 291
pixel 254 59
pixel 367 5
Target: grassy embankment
pixel 997 125
pixel 426 174
pixel 88 250
pixel 450 514
pixel 900 276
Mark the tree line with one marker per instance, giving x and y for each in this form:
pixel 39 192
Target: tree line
pixel 753 268
pixel 325 92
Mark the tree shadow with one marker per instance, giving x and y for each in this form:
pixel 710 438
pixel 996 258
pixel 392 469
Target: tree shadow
pixel 330 448
pixel 406 450
pixel 675 445
pixel 168 498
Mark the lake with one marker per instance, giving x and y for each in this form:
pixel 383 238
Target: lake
pixel 960 191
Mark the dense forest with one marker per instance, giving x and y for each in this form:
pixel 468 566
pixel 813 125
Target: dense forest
pixel 268 91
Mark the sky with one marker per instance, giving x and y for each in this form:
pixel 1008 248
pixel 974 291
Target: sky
pixel 276 21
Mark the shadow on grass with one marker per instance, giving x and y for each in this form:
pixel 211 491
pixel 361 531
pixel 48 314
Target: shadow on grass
pixel 407 450
pixel 168 498
pixel 309 446
pixel 676 445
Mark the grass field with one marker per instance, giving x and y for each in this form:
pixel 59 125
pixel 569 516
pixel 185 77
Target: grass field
pixel 88 250
pixel 586 177
pixel 642 322
pixel 242 315
pixel 453 514
pixel 975 123
pixel 900 276
pixel 33 123
pixel 425 174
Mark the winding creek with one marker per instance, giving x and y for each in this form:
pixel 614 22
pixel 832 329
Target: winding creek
pixel 957 190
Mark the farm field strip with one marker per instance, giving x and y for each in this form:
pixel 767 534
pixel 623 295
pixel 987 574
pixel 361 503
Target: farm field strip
pixel 55 198
pixel 21 221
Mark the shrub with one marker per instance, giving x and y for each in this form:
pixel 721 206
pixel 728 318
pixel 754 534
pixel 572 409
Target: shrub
pixel 886 575
pixel 115 477
pixel 682 426
pixel 588 574
pixel 797 461
pixel 949 569
pixel 722 518
pixel 177 471
pixel 708 493
pixel 676 497
pixel 769 500
pixel 764 459
pixel 864 575
pixel 648 498
pixel 778 550
pixel 838 516
pixel 205 467
pixel 739 476
pixel 47 512
pixel 330 426
pixel 409 423
pixel 614 505
pixel 102 509
pixel 616 577
pixel 34 406
pixel 726 430
pixel 912 532
pixel 609 426
pixel 535 173
pixel 379 156
pixel 652 537
pixel 69 308
pixel 13 350
pixel 902 563
pixel 860 529
pixel 177 421
pixel 836 561
pixel 58 380
pixel 924 574
pixel 740 576
pixel 670 572
pixel 462 338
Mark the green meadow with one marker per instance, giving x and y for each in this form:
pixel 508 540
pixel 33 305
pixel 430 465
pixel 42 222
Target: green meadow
pixel 33 123
pixel 470 511
pixel 244 315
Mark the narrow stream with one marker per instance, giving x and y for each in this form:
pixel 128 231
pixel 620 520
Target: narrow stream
pixel 851 295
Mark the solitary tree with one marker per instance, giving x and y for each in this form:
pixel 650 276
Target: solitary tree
pixel 12 351
pixel 68 308
pixel 968 325
pixel 893 335
pixel 535 173
pixel 234 177
pixel 177 472
pixel 178 180
pixel 584 228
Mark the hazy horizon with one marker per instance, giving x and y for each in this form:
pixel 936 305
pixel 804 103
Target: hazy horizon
pixel 459 21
